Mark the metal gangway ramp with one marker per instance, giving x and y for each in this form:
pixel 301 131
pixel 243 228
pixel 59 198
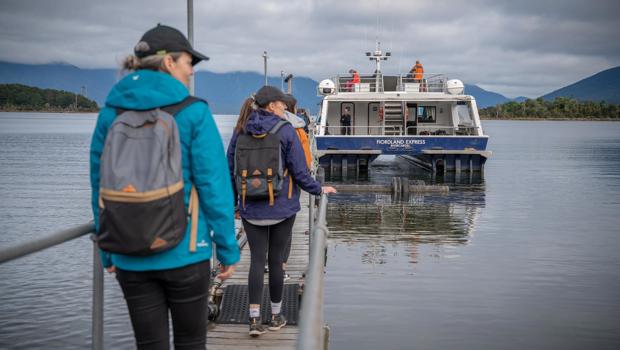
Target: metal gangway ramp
pixel 305 267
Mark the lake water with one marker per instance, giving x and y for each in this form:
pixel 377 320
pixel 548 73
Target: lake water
pixel 527 259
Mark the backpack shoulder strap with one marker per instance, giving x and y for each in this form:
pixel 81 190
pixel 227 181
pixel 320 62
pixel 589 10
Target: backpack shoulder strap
pixel 175 108
pixel 172 109
pixel 278 126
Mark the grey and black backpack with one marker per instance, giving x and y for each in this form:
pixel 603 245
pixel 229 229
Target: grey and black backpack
pixel 259 168
pixel 141 206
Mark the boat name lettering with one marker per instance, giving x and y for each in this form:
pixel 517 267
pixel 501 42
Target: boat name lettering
pixel 395 142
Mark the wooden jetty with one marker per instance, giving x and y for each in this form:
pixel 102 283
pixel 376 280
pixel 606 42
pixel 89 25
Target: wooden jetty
pixel 235 336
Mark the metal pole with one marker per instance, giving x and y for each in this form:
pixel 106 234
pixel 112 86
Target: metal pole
pixel 20 250
pixel 97 312
pixel 311 333
pixel 265 59
pixel 190 36
pixel 282 82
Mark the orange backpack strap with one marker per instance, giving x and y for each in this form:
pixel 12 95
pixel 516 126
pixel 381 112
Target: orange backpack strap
pixel 244 186
pixel 270 186
pixel 305 144
pixel 193 212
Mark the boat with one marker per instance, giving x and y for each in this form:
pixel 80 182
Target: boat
pixel 429 121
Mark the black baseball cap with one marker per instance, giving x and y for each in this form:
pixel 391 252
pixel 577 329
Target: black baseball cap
pixel 164 39
pixel 268 94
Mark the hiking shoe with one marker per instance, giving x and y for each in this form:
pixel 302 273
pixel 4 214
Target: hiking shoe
pixel 277 321
pixel 256 327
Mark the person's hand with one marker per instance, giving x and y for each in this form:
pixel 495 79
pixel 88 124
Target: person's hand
pixel 227 272
pixel 329 189
pixel 111 269
pixel 237 215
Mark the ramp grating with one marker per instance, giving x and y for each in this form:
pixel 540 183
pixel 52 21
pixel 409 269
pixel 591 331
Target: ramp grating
pixel 234 308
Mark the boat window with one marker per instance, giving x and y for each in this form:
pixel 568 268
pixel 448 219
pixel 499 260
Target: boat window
pixel 463 113
pixel 427 114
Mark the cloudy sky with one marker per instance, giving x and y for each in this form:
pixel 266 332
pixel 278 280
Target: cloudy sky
pixel 527 47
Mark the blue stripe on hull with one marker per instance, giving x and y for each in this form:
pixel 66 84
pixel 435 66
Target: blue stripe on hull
pixel 396 145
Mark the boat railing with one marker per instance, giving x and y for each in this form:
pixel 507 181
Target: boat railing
pixel 428 82
pixel 438 130
pixel 367 83
pixel 376 130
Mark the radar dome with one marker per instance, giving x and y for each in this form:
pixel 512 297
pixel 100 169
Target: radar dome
pixel 326 87
pixel 455 87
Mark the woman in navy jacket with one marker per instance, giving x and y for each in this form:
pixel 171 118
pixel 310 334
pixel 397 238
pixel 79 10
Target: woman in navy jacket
pixel 268 228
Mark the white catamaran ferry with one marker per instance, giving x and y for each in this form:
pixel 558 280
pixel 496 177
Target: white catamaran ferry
pixel 424 118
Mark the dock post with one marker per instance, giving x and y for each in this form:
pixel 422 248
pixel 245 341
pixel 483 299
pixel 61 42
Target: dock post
pixel 97 312
pixel 345 167
pixel 326 337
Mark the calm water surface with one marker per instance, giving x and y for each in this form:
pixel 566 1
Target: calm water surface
pixel 526 259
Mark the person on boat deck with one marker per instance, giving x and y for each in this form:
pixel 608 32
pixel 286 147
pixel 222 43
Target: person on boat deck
pixel 417 72
pixel 303 114
pixel 269 225
pixel 345 122
pixel 173 283
pixel 350 85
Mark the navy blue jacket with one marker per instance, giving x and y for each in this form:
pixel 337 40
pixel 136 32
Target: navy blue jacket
pixel 260 122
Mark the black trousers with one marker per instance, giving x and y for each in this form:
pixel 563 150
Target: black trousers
pixel 151 294
pixel 273 241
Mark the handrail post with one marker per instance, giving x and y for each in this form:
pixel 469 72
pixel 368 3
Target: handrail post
pixel 97 312
pixel 311 334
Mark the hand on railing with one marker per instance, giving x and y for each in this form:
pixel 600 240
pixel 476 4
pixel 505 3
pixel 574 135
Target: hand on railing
pixel 227 272
pixel 111 269
pixel 328 190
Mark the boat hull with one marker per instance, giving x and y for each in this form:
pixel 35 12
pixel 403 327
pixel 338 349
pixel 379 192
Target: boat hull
pixel 401 145
pixel 346 154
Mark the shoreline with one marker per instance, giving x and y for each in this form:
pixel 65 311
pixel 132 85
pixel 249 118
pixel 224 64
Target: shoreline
pixel 226 114
pixel 558 119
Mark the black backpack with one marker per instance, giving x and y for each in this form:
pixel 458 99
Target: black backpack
pixel 259 168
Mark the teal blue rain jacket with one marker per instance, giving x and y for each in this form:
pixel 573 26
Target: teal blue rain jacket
pixel 204 165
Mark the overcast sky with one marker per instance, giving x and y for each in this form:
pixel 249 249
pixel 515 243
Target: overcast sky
pixel 526 47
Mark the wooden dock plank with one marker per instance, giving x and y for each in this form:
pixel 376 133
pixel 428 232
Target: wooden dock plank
pixel 235 336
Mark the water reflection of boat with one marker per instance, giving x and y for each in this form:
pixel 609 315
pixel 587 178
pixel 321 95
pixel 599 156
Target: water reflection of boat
pixel 378 221
pixel 428 120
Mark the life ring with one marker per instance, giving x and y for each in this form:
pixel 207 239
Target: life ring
pixel 380 114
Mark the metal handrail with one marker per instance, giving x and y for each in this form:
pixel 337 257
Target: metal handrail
pixel 23 249
pixel 405 82
pixel 311 325
pixel 393 130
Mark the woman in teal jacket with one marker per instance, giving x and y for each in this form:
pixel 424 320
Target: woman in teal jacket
pixel 175 280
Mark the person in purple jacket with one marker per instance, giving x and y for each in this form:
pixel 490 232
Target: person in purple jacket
pixel 268 227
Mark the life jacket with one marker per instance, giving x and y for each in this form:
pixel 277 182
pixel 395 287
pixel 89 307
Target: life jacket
pixel 141 197
pixel 356 78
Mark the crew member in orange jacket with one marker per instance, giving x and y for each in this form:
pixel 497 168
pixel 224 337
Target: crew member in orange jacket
pixel 417 71
pixel 350 85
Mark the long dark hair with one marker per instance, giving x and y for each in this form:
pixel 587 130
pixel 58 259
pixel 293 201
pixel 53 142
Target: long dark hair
pixel 291 104
pixel 244 114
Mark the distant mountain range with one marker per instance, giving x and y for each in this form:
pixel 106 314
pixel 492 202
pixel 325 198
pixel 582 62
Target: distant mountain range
pixel 602 86
pixel 226 91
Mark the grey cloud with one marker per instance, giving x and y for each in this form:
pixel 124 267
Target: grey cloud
pixel 514 47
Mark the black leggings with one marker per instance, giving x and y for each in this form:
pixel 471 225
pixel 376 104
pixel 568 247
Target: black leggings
pixel 274 239
pixel 149 296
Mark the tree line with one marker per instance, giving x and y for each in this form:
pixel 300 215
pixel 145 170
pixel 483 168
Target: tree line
pixel 560 108
pixel 18 97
